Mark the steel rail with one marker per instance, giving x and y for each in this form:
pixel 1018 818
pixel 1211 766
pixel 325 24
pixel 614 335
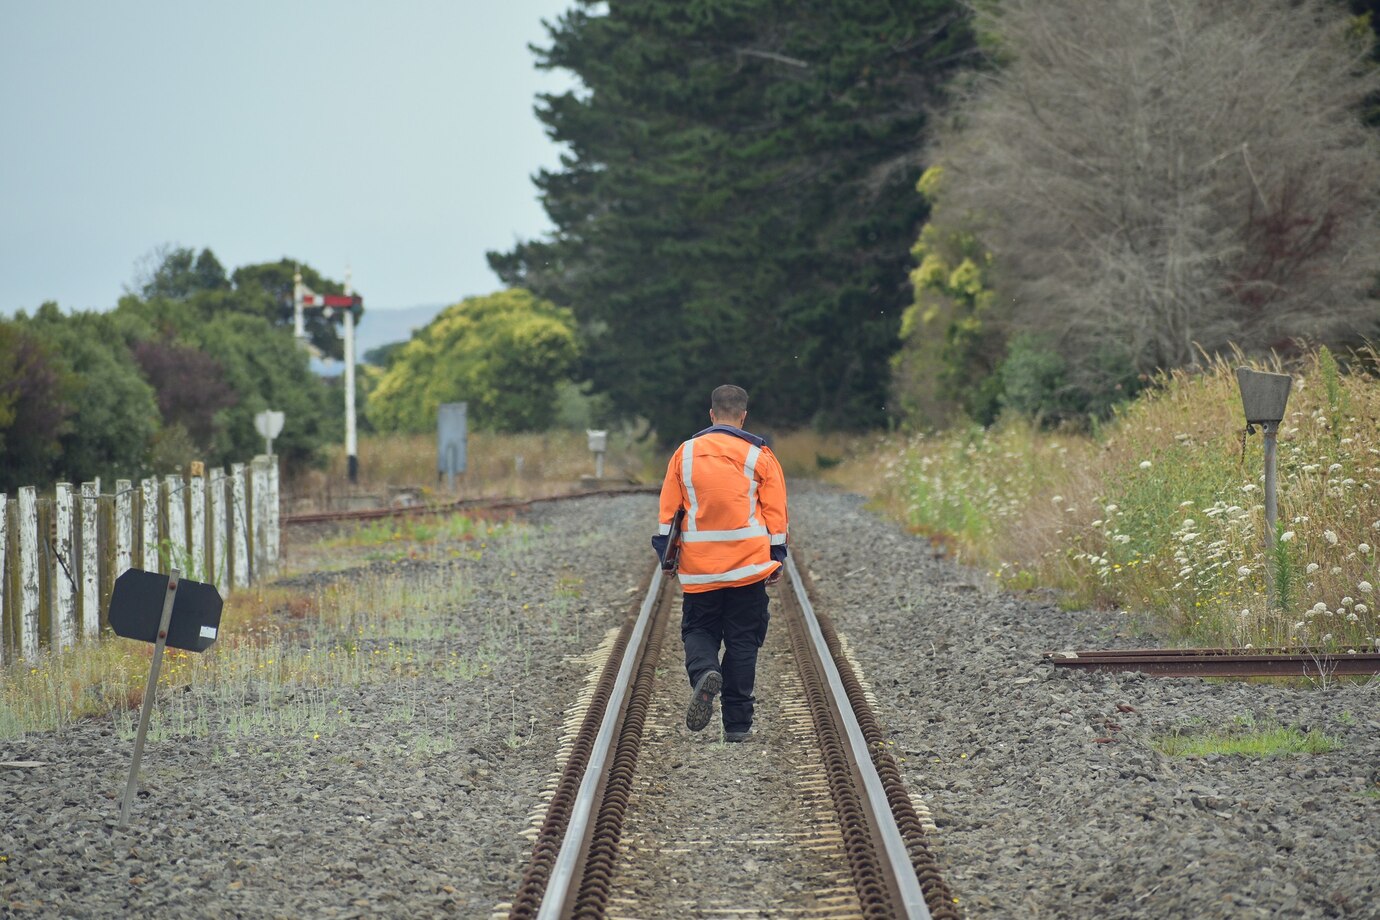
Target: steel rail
pixel 894 845
pixel 463 504
pixel 558 888
pixel 1220 662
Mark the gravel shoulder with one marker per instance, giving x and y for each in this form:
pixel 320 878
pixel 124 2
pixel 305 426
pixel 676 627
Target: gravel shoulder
pixel 410 803
pixel 1038 819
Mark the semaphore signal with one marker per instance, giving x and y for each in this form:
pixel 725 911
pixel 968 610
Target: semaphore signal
pixel 349 303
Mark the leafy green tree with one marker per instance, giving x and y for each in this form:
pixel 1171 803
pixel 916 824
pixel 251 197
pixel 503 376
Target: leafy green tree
pixel 180 273
pixel 269 285
pixel 34 408
pixel 736 205
pixel 114 417
pixel 504 354
pixel 265 290
pixel 266 369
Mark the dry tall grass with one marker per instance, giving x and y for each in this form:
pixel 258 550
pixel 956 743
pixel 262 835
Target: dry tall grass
pixel 498 466
pixel 1162 511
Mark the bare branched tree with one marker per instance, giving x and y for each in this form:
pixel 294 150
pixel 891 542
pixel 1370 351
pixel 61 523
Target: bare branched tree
pixel 1159 175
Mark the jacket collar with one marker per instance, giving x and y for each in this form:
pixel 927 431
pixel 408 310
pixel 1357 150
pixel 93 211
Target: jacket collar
pixel 736 432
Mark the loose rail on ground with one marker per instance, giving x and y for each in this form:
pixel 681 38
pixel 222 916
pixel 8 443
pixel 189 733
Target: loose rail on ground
pixel 464 504
pixel 1221 662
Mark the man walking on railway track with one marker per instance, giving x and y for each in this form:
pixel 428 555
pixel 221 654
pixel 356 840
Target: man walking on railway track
pixel 733 493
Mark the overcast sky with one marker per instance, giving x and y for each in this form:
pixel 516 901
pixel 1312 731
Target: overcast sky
pixel 397 137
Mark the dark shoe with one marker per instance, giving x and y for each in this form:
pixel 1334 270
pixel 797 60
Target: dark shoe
pixel 737 737
pixel 702 700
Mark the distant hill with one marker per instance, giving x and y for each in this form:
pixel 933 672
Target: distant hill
pixel 380 327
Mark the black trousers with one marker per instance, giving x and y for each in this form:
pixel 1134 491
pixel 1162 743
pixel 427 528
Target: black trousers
pixel 736 619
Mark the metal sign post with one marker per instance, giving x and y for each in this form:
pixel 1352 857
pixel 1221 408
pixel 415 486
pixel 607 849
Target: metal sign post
pixel 452 439
pixel 269 424
pixel 150 690
pixel 598 445
pixel 1264 397
pixel 190 619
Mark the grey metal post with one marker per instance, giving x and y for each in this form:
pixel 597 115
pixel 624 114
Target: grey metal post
pixel 150 691
pixel 1271 431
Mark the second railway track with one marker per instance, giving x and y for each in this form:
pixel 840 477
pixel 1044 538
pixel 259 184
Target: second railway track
pixel 646 820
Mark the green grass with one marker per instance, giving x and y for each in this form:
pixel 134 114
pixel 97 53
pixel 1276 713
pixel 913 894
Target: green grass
pixel 1268 741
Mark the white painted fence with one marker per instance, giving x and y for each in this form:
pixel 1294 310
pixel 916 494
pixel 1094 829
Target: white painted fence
pixel 60 555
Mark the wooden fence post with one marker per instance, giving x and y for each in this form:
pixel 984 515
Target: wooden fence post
pixel 28 572
pixel 196 489
pixel 4 573
pixel 239 525
pixel 150 496
pixel 64 614
pixel 124 527
pixel 274 512
pixel 219 558
pixel 177 521
pixel 258 499
pixel 90 559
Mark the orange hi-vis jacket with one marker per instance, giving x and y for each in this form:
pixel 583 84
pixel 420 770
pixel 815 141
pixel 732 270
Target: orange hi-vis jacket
pixel 734 493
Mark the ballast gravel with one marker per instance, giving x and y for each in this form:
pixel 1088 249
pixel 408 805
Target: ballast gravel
pixel 1050 797
pixel 414 803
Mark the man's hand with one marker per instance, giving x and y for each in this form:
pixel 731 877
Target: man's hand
pixel 774 577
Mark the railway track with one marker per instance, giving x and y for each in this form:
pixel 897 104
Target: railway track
pixel 633 811
pixel 460 505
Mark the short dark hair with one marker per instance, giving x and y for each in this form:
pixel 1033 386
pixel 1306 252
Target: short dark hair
pixel 728 400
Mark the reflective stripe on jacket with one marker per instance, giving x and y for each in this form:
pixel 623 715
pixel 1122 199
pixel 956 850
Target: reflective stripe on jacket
pixel 734 493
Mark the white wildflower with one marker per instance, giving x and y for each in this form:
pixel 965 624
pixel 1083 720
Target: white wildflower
pixel 1145 464
pixel 1187 504
pixel 1330 536
pixel 1352 618
pixel 1361 608
pixel 1363 549
pixel 1057 499
pixel 1365 587
pixel 1312 567
pixel 1347 601
pixel 1249 487
pixel 1286 536
pixel 1244 570
pixel 1335 570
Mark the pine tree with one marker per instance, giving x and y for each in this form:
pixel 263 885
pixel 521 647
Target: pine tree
pixel 737 202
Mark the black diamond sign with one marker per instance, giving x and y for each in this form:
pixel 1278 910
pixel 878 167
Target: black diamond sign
pixel 136 606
